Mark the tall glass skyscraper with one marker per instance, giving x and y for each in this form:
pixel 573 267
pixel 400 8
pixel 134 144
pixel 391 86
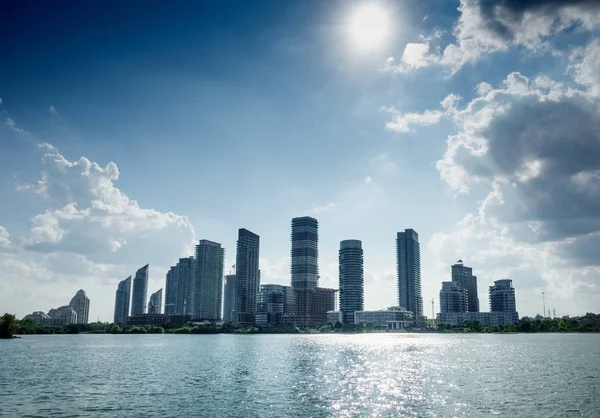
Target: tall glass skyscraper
pixel 463 277
pixel 81 305
pixel 140 291
pixel 305 253
pixel 502 296
pixel 208 280
pixel 122 301
pixel 229 297
pixel 155 304
pixel 408 258
pixel 352 279
pixel 178 294
pixel 247 282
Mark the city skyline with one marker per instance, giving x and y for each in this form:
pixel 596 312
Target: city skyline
pixel 469 124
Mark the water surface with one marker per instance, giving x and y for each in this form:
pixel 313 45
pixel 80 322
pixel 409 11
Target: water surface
pixel 410 375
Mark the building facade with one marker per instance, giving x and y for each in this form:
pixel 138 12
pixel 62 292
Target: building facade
pixel 463 276
pixel 352 279
pixel 483 318
pixel 408 258
pixel 38 317
pixel 159 320
pixel 228 297
pixel 273 304
pixel 122 299
pixel 453 298
pixel 60 317
pixel 178 294
pixel 140 291
pixel 81 305
pixel 401 318
pixel 311 307
pixel 305 253
pixel 155 303
pixel 502 296
pixel 208 281
pixel 247 283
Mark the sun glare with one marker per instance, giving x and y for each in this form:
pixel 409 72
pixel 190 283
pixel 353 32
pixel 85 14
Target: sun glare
pixel 368 26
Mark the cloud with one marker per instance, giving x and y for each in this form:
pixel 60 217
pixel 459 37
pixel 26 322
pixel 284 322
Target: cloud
pixel 92 217
pixel 47 146
pixel 414 57
pixel 54 112
pixel 4 238
pixel 404 122
pixel 11 124
pixel 324 208
pixel 585 66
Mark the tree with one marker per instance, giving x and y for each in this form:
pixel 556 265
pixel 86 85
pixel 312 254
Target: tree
pixel 8 325
pixel 338 325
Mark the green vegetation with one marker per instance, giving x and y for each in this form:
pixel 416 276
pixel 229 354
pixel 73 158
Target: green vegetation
pixel 8 325
pixel 526 324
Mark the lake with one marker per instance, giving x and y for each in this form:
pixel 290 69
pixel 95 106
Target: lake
pixel 409 375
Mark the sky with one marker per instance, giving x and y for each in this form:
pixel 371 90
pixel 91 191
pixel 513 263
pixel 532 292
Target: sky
pixel 129 131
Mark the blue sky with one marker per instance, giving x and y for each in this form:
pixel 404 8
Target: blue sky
pixel 129 131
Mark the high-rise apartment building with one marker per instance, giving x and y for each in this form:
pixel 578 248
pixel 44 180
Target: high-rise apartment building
pixel 453 298
pixel 122 299
pixel 311 306
pixel 140 291
pixel 273 304
pixel 229 297
pixel 463 277
pixel 352 279
pixel 208 281
pixel 155 303
pixel 502 296
pixel 81 305
pixel 305 253
pixel 247 282
pixel 178 292
pixel 408 258
pixel 62 316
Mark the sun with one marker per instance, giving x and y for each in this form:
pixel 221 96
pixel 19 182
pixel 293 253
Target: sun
pixel 368 26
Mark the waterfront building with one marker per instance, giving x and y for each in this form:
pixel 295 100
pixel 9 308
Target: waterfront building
pixel 229 298
pixel 305 253
pixel 178 292
pixel 273 304
pixel 352 279
pixel 159 320
pixel 122 301
pixel 311 306
pixel 247 283
pixel 38 317
pixel 208 281
pixel 140 291
pixel 483 318
pixel 408 258
pixel 391 318
pixel 62 316
pixel 155 304
pixel 463 276
pixel 502 296
pixel 333 317
pixel 453 298
pixel 81 305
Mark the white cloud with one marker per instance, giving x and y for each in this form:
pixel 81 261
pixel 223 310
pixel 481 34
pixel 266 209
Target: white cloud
pixel 11 124
pixel 415 56
pixel 47 146
pixel 404 122
pixel 4 238
pixel 53 111
pixel 324 208
pixel 586 66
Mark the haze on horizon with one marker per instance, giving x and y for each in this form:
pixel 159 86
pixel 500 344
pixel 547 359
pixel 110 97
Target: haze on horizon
pixel 131 131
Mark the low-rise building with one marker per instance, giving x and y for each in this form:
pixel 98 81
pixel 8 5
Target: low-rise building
pixel 483 318
pixel 61 317
pixel 333 317
pixel 399 317
pixel 38 317
pixel 158 319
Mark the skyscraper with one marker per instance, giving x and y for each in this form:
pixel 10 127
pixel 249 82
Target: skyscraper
pixel 273 304
pixel 408 257
pixel 502 296
pixel 122 301
pixel 352 279
pixel 208 280
pixel 178 294
pixel 463 276
pixel 229 297
pixel 155 304
pixel 305 253
pixel 247 282
pixel 81 305
pixel 453 298
pixel 140 291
